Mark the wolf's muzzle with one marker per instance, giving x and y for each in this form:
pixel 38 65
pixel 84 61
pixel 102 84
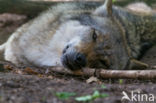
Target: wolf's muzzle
pixel 73 60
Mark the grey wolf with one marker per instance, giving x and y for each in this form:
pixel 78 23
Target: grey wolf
pixel 78 35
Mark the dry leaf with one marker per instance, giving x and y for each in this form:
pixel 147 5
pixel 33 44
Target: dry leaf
pixel 8 67
pixel 50 77
pixel 92 79
pixel 40 75
pixel 18 71
pixel 78 72
pixel 30 71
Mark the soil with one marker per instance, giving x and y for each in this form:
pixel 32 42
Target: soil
pixel 27 85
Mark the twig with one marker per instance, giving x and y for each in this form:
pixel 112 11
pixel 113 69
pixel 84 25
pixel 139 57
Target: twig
pixel 101 73
pixel 105 74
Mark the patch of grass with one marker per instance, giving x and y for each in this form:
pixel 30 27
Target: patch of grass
pixel 64 95
pixel 92 97
pixel 103 86
pixel 120 81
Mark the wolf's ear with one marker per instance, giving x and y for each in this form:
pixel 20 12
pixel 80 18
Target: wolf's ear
pixel 105 9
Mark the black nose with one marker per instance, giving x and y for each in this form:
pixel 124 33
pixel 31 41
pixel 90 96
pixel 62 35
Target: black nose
pixel 80 59
pixel 73 61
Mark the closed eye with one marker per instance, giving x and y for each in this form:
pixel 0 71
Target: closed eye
pixel 94 35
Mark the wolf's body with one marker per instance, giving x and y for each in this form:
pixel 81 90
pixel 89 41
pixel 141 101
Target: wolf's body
pixel 42 41
pixel 38 42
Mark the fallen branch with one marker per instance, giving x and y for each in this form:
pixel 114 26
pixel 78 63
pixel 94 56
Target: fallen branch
pixel 88 72
pixel 105 74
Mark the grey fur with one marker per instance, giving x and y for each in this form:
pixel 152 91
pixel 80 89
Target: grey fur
pixel 120 36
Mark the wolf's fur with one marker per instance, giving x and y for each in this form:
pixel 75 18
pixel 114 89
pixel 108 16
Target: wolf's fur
pixel 35 43
pixel 42 41
pixel 2 47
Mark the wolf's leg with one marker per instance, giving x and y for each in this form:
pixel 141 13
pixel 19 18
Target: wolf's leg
pixel 135 64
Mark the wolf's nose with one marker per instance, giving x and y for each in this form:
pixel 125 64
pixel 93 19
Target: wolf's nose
pixel 80 59
pixel 73 60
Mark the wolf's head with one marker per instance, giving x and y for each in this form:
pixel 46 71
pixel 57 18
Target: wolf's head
pixel 97 41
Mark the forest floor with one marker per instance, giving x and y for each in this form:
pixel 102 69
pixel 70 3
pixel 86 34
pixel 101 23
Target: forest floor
pixel 27 85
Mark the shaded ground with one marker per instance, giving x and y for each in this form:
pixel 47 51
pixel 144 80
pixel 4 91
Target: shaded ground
pixel 17 86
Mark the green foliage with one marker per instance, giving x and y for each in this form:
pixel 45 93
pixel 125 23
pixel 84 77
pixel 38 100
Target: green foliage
pixel 103 86
pixel 64 95
pixel 84 98
pixel 94 96
pixel 120 81
pixel 113 1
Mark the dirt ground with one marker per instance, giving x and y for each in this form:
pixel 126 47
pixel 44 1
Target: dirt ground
pixel 39 86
